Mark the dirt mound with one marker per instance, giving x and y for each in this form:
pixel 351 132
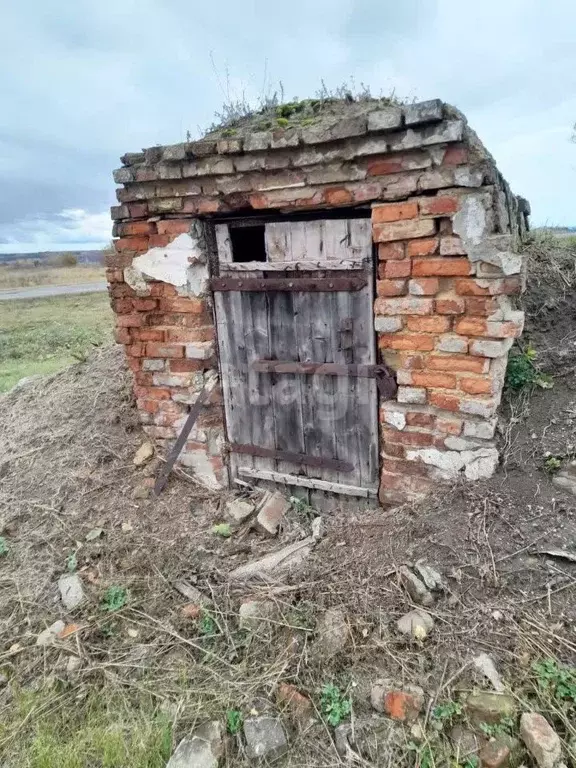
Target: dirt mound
pixel 72 501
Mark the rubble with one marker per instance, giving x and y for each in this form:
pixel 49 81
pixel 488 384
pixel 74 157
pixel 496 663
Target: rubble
pixel 203 749
pixel 540 739
pixel 71 590
pixel 265 737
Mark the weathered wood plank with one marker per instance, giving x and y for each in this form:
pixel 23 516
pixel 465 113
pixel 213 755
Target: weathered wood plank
pixel 366 426
pixel 290 266
pixel 306 482
pixel 223 243
pixel 287 392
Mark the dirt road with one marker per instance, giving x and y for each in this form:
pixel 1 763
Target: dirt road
pixel 43 291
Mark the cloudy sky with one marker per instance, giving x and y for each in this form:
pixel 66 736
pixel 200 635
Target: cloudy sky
pixel 81 83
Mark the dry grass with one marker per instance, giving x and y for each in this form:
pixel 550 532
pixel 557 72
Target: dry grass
pixel 148 671
pixel 12 278
pixel 151 674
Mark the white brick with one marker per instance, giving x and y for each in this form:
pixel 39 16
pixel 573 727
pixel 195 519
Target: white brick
pixel 411 395
pixel 387 324
pixel 483 430
pixel 484 348
pixel 201 350
pixel 484 408
pixel 153 365
pixel 452 344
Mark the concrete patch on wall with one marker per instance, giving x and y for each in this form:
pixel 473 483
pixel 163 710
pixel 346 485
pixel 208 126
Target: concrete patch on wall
pixel 472 223
pixel 182 263
pixel 475 464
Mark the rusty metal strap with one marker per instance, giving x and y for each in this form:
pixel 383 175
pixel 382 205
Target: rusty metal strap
pixel 384 377
pixel 294 458
pixel 316 284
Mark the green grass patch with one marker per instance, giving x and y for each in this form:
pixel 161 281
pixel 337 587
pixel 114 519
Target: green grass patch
pixel 40 336
pixel 52 727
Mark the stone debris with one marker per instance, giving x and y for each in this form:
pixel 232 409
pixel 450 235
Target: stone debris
pixel 485 665
pixel 257 614
pixel 494 754
pixel 265 737
pixel 317 529
pixel 141 492
pixel 271 514
pixel 143 454
pixel 276 562
pixel 69 629
pixel 489 708
pixel 50 634
pixel 71 590
pixel 465 742
pixel 238 511
pixel 342 734
pixel 415 587
pixel 333 633
pixel 294 704
pixel 203 749
pixel 567 478
pixel 541 740
pixel 192 594
pixel 416 624
pixel 403 703
pixel 191 611
pixel 430 576
pixel 73 666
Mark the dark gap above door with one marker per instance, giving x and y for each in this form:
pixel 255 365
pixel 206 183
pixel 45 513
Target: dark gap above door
pixel 248 243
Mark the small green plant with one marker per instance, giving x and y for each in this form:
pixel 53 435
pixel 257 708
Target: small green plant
pixel 302 508
pixel 553 464
pixel 71 562
pixel 114 598
pixel 334 705
pixel 447 712
pixel 223 530
pixel 556 680
pixel 424 755
pixel 522 371
pixel 506 725
pixel 3 546
pixel 109 629
pixel 234 721
pixel 283 122
pixel 207 624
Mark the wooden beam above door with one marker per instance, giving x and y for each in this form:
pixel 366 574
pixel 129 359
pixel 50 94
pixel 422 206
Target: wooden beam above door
pixel 307 284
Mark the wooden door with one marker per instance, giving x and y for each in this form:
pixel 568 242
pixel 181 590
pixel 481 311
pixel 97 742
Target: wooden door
pixel 288 421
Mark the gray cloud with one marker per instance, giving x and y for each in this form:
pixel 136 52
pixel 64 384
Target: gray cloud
pixel 82 83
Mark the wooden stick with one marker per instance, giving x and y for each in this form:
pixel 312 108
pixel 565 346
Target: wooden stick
pixel 183 436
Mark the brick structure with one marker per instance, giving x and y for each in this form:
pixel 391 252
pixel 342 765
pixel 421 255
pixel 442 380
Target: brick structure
pixel 445 229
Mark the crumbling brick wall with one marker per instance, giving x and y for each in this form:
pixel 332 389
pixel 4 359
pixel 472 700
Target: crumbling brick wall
pixel 446 230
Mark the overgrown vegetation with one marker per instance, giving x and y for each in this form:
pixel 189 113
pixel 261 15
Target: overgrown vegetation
pixel 273 110
pixel 45 335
